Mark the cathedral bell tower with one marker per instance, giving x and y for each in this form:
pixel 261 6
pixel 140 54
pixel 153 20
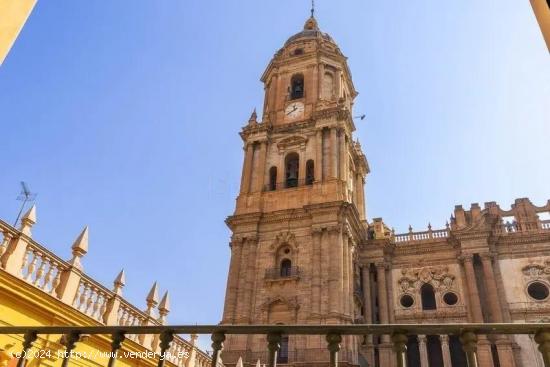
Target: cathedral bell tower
pixel 301 211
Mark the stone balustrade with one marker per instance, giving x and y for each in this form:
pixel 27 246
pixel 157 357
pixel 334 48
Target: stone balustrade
pixel 22 257
pixel 428 235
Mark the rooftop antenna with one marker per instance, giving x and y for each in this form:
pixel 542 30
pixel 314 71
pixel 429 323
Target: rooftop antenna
pixel 361 117
pixel 25 196
pixel 312 8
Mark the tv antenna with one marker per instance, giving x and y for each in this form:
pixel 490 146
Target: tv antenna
pixel 25 196
pixel 361 117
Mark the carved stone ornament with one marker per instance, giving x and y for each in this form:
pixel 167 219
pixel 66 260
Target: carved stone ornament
pixel 294 141
pixel 439 277
pixel 290 302
pixel 285 238
pixel 537 270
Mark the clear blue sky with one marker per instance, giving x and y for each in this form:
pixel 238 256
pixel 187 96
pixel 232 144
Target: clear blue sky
pixel 123 115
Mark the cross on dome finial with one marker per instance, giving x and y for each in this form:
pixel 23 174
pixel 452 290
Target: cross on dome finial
pixel 312 8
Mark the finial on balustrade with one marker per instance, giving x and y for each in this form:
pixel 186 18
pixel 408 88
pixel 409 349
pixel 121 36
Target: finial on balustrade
pixel 28 220
pixel 164 307
pixel 194 338
pixel 80 248
pixel 410 229
pixel 239 362
pixel 447 226
pixel 119 282
pixel 152 299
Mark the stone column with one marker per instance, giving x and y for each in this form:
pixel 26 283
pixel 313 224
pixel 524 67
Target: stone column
pixel 346 275
pixel 484 355
pixel 343 156
pixel 351 267
pixel 319 155
pixel 252 244
pixel 423 351
pixel 247 169
pixel 360 189
pixel 385 347
pixel 325 276
pixel 335 271
pixel 240 302
pixel 316 271
pixel 260 175
pixel 302 168
pixel 445 351
pixel 333 154
pixel 504 346
pixel 232 280
pixel 367 308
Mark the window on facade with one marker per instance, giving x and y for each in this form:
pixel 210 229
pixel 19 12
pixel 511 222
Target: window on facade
pixel 310 172
pixel 272 178
pixel 292 163
pixel 299 51
pixel 406 301
pixel 286 268
pixel 450 298
pixel 297 86
pixel 538 291
pixel 282 356
pixel 428 297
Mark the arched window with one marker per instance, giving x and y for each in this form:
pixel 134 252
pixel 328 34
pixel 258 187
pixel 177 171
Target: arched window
pixel 286 268
pixel 428 297
pixel 292 163
pixel 297 86
pixel 272 178
pixel 310 172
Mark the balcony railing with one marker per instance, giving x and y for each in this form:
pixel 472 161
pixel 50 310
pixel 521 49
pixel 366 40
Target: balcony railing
pixel 282 273
pixel 467 334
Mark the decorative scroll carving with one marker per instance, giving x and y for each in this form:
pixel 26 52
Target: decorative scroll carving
pixel 297 141
pixel 439 277
pixel 537 270
pixel 290 302
pixel 285 238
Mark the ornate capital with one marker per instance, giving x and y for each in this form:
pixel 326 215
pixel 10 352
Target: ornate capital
pixel 334 229
pixel 316 230
pixel 381 265
pixel 466 258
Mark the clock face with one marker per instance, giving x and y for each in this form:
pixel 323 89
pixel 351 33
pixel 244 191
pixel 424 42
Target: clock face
pixel 294 110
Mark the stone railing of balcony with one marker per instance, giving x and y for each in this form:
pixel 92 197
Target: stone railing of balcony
pixel 467 333
pixel 24 258
pixel 424 236
pixel 514 227
pixel 285 357
pixel 288 184
pixel 292 272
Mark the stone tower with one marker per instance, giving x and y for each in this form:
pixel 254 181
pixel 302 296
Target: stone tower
pixel 301 209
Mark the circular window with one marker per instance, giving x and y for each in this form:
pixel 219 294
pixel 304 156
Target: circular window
pixel 538 291
pixel 450 298
pixel 287 250
pixel 406 301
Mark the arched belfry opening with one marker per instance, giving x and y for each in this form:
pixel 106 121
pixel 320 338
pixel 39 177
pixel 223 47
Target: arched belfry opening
pixel 427 294
pixel 297 86
pixel 292 164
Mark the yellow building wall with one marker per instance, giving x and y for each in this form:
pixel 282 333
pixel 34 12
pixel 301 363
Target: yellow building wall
pixel 21 304
pixel 542 12
pixel 13 15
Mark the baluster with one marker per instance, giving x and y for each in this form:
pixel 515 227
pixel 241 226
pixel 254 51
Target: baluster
pixel 273 346
pixel 40 271
pixel 48 276
pixel 469 345
pixel 542 337
pixel 400 340
pixel 166 338
pixel 333 346
pixel 83 296
pixel 69 340
pixel 28 339
pixel 117 339
pixel 217 346
pixel 26 260
pixel 32 266
pixel 122 317
pixel 89 300
pixel 96 303
pixel 5 242
pixel 57 278
pixel 103 307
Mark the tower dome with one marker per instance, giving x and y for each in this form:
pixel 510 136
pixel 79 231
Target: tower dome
pixel 311 31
